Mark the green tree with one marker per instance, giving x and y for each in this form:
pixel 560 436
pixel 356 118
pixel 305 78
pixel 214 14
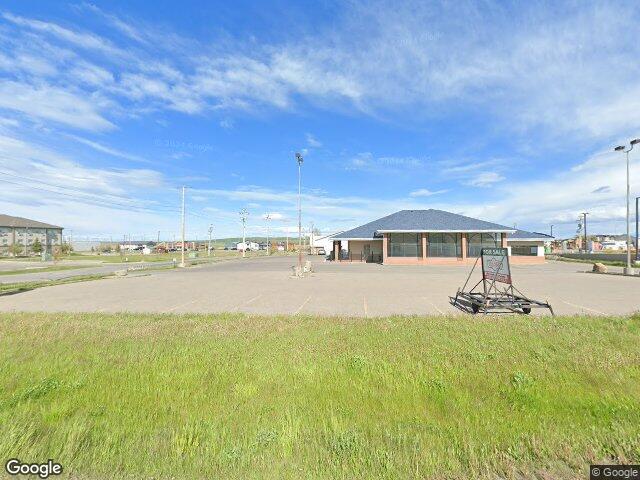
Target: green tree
pixel 37 246
pixel 65 249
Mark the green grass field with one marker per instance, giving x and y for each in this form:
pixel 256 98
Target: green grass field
pixel 54 268
pixel 233 396
pixel 19 287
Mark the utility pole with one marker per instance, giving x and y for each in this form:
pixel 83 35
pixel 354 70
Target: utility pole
pixel 287 249
pixel 267 218
pixel 182 264
pixel 158 236
pixel 552 230
pixel 209 246
pixel 300 160
pixel 584 215
pixel 243 216
pixel 637 245
pixel 311 245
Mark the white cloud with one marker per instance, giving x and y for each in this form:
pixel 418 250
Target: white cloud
pixel 545 68
pixel 485 179
pixel 226 123
pixel 40 183
pixel 108 150
pixel 313 141
pixel 79 39
pixel 425 192
pixel 52 103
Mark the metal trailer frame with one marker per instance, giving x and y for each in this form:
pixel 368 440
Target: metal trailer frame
pixel 495 299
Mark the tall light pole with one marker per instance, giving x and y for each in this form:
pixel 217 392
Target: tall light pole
pixel 209 246
pixel 628 270
pixel 299 159
pixel 267 217
pixel 243 217
pixel 586 246
pixel 637 221
pixel 182 264
pixel 552 230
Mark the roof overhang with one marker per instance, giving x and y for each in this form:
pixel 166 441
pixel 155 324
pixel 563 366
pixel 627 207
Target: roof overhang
pixel 447 231
pixel 538 239
pixel 355 238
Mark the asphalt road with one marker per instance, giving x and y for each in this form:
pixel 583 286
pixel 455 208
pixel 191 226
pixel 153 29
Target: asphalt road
pixel 265 286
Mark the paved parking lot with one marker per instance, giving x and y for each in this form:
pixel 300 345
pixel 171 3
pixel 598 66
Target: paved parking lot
pixel 265 286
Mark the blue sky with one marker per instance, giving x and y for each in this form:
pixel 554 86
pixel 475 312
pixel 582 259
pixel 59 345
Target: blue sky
pixel 498 110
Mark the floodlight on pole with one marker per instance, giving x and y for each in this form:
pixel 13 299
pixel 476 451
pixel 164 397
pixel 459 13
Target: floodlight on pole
pixel 584 226
pixel 267 217
pixel 637 229
pixel 243 216
pixel 182 264
pixel 621 148
pixel 299 160
pixel 209 245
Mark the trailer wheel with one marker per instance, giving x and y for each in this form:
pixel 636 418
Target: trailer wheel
pixel 475 308
pixel 526 310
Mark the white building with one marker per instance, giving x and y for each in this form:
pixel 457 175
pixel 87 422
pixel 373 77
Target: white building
pixel 614 245
pixel 528 244
pixel 326 242
pixel 248 246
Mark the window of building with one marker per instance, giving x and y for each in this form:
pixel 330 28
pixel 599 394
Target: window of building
pixel 478 241
pixel 524 250
pixel 404 245
pixel 445 245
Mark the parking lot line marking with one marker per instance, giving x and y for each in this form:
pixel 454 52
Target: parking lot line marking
pixel 364 304
pixel 302 306
pixel 584 308
pixel 235 309
pixel 434 306
pixel 180 306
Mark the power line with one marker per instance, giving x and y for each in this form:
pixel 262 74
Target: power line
pixel 99 200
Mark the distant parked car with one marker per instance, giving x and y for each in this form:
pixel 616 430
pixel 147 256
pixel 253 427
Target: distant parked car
pixel 321 251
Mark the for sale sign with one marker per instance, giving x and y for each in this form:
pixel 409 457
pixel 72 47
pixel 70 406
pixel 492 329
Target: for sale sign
pixel 495 265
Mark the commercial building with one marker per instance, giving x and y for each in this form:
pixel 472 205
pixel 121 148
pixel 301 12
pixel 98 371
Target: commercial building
pixel 324 242
pixel 18 235
pixel 410 237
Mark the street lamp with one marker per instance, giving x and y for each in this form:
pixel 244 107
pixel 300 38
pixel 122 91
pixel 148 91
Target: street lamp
pixel 209 246
pixel 267 217
pixel 628 270
pixel 243 216
pixel 299 159
pixel 637 233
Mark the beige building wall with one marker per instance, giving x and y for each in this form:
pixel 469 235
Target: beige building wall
pixel 357 248
pixel 25 238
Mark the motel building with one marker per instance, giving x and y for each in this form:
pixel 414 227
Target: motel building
pixel 434 237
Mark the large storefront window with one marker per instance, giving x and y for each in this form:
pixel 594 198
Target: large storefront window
pixel 445 245
pixel 478 241
pixel 404 245
pixel 524 250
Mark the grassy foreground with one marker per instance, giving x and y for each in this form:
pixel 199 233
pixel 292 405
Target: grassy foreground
pixel 232 396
